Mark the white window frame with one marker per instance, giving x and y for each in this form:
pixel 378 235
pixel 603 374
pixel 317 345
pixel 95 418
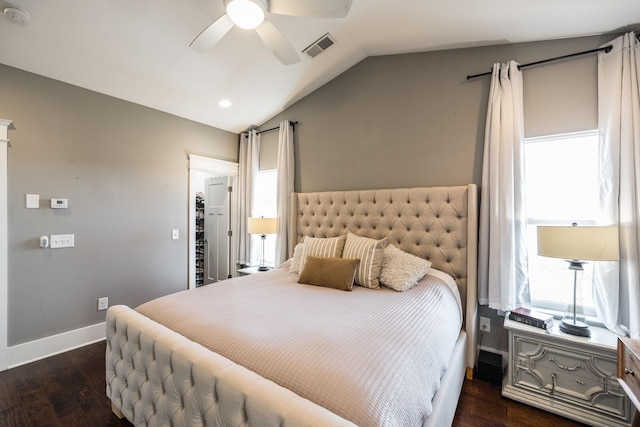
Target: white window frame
pixel 558 307
pixel 268 212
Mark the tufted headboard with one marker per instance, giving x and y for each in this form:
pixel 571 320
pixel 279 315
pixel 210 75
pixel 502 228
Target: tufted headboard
pixel 436 223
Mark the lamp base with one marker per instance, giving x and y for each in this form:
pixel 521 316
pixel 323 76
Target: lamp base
pixel 263 268
pixel 575 328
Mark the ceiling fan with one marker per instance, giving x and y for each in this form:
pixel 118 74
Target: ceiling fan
pixel 250 14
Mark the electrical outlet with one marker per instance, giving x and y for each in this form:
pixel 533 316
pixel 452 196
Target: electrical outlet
pixel 485 324
pixel 103 303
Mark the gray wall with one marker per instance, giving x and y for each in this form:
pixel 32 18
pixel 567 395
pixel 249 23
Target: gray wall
pixel 391 121
pixel 414 119
pixel 123 168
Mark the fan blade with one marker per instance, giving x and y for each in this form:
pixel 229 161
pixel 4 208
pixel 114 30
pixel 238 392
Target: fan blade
pixel 277 43
pixel 311 8
pixel 213 33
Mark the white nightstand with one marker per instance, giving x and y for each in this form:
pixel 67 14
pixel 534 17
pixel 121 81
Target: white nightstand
pixel 569 375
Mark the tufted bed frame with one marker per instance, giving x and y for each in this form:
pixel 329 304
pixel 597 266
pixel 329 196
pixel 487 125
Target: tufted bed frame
pixel 155 376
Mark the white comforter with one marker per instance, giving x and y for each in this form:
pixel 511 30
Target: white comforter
pixel 374 357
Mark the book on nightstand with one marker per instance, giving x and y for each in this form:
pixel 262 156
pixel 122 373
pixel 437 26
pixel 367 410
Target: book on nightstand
pixel 532 318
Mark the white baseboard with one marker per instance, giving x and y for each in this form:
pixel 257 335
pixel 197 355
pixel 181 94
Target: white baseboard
pixel 31 351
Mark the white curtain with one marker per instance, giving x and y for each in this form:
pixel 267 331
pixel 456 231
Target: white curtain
pixel 502 270
pixel 247 172
pixel 617 285
pixel 286 175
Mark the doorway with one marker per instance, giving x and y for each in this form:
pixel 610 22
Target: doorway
pixel 211 225
pixel 217 225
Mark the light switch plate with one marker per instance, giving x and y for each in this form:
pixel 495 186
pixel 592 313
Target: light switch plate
pixel 175 234
pixel 33 201
pixel 61 241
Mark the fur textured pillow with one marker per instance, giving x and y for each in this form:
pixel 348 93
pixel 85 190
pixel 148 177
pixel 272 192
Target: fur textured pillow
pixel 369 252
pixel 336 273
pixel 402 271
pixel 294 267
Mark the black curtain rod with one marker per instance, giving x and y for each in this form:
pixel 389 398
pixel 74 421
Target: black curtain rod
pixel 276 128
pixel 606 48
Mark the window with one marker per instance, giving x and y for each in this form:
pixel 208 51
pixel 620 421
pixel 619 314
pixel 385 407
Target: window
pixel 561 173
pixel 264 204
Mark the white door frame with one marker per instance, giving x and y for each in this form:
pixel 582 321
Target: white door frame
pixel 4 242
pixel 203 164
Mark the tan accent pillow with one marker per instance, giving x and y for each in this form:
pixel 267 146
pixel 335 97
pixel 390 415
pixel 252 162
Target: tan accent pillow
pixel 369 252
pixel 336 273
pixel 322 247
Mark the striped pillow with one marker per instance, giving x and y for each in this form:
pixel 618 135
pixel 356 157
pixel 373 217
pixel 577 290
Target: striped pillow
pixel 322 248
pixel 369 252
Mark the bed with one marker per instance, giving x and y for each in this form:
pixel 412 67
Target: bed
pixel 166 364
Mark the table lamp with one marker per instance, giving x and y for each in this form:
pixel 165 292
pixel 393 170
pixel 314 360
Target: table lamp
pixel 576 245
pixel 262 226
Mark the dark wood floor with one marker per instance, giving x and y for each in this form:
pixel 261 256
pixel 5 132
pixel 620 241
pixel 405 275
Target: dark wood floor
pixel 68 390
pixel 63 390
pixel 481 404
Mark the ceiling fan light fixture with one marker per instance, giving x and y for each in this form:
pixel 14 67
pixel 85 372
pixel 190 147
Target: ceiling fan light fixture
pixel 245 14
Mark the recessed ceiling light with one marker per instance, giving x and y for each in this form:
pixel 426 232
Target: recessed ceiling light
pixel 225 103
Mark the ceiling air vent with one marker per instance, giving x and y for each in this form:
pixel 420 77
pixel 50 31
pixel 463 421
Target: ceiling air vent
pixel 320 45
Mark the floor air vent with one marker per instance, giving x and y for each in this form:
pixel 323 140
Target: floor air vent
pixel 320 45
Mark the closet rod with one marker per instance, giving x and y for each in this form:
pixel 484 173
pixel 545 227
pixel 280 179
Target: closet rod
pixel 606 48
pixel 276 128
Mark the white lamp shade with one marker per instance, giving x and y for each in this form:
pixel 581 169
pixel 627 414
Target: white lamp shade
pixel 584 243
pixel 262 225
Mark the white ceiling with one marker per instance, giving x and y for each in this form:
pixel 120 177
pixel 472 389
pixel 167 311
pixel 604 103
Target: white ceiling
pixel 138 50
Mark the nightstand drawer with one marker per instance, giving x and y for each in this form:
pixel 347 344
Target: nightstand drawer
pixel 578 377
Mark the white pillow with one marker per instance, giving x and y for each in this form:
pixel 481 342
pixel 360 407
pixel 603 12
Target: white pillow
pixel 294 267
pixel 369 252
pixel 402 271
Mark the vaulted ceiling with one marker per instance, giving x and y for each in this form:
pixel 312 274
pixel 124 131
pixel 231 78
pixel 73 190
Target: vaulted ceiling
pixel 138 50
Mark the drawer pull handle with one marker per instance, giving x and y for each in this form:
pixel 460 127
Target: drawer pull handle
pixel 553 383
pixel 628 372
pixel 565 367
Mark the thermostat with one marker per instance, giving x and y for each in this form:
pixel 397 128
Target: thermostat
pixel 59 203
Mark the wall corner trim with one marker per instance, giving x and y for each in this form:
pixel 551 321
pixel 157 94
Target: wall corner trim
pixel 31 351
pixel 4 242
pixel 4 128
